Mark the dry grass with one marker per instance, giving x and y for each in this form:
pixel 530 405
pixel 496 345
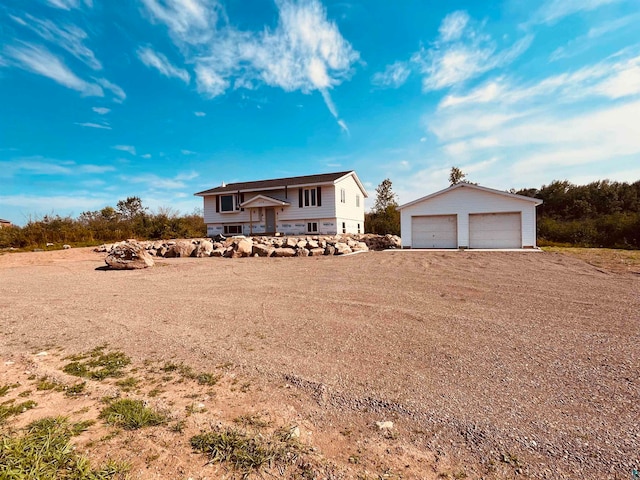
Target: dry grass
pixel 613 260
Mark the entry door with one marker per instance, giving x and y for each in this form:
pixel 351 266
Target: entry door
pixel 270 220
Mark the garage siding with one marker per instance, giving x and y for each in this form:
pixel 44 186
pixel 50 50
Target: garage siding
pixel 468 200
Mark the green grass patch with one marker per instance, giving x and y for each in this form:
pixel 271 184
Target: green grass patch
pixel 11 409
pixel 131 414
pixel 253 421
pixel 75 390
pixel 97 364
pixel 128 384
pixel 45 384
pixel 4 389
pixel 44 452
pixel 247 453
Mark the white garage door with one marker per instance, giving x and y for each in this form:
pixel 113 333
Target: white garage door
pixel 434 231
pixel 495 230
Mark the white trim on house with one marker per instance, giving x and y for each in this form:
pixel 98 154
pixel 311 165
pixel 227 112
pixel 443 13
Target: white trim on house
pixel 264 201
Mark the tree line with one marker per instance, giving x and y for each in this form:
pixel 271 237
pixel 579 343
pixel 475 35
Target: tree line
pixel 129 219
pixel 599 214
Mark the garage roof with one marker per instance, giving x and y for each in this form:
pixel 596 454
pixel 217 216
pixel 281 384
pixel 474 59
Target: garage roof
pixel 537 201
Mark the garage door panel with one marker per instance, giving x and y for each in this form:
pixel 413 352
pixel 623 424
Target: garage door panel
pixel 434 231
pixel 495 230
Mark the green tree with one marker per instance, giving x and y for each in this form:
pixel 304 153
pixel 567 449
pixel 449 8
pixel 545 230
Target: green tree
pixel 385 217
pixel 456 176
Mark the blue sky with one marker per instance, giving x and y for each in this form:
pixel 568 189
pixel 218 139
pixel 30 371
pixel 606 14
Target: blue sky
pixel 100 100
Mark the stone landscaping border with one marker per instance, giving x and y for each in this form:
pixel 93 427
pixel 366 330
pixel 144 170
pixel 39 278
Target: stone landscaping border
pixel 132 254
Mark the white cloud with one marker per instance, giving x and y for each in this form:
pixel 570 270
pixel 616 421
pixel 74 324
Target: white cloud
pixel 162 64
pixel 553 10
pixel 118 93
pixel 41 61
pixel 146 155
pixel 463 52
pixel 68 37
pixel 101 110
pixel 199 114
pixel 95 168
pixel 304 52
pixel 453 25
pixel 155 182
pixel 613 78
pixel 103 126
pixel 39 165
pixel 187 152
pixel 69 4
pixel 394 76
pixel 126 148
pixel 189 21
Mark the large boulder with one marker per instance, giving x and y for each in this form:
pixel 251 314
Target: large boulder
pixel 284 252
pixel 181 248
pixel 128 256
pixel 342 248
pixel 204 249
pixel 263 250
pixel 242 247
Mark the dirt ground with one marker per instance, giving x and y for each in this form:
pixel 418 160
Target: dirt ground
pixel 489 364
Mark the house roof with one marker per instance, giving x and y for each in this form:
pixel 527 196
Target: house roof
pixel 276 183
pixel 2 220
pixel 537 201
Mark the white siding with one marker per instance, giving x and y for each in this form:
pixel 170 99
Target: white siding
pixel 349 212
pixel 464 201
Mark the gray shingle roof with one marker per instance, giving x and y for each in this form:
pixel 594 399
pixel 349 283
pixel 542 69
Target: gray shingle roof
pixel 276 182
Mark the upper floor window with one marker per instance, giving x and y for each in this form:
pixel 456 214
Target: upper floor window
pixel 358 202
pixel 310 197
pixel 343 196
pixel 229 203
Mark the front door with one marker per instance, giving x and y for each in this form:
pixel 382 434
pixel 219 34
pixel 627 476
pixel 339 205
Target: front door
pixel 270 220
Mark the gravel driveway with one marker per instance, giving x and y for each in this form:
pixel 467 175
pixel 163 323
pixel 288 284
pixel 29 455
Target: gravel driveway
pixel 529 362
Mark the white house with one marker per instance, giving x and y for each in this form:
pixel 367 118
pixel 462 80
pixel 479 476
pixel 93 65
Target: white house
pixel 328 203
pixel 469 216
pixel 4 223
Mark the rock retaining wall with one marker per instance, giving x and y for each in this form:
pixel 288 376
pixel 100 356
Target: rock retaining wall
pixel 235 247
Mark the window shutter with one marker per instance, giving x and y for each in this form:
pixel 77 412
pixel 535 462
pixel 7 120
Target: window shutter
pixel 242 201
pixel 319 197
pixel 217 203
pixel 285 192
pixel 300 197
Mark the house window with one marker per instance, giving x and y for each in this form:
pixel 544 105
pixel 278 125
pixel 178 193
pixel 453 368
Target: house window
pixel 344 227
pixel 358 202
pixel 310 197
pixel 343 196
pixel 312 227
pixel 227 203
pixel 232 229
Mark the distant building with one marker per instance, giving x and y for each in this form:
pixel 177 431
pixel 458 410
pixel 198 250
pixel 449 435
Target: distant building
pixel 4 223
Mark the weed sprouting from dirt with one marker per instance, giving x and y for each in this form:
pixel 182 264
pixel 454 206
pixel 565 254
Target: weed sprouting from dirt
pixel 127 384
pixel 44 451
pixel 97 364
pixel 45 384
pixel 131 414
pixel 207 379
pixel 254 421
pixel 74 390
pixel 10 409
pixel 4 389
pixel 248 453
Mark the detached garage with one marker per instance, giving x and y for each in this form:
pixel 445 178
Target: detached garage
pixel 469 216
